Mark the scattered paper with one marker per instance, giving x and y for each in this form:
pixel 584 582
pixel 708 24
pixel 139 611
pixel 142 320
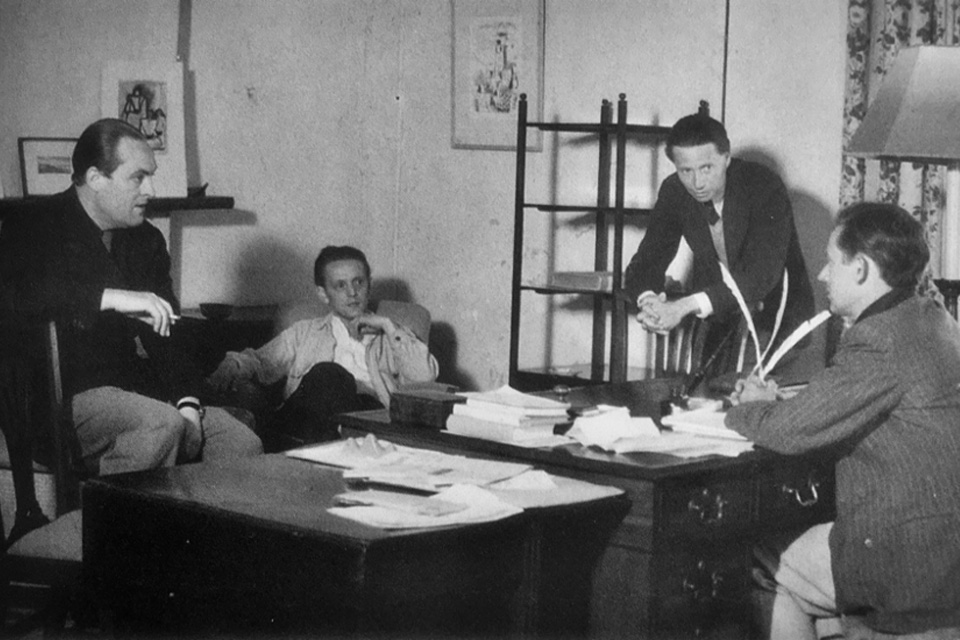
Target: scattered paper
pixel 684 445
pixel 510 397
pixel 405 502
pixel 608 425
pixel 527 481
pixel 704 422
pixel 480 506
pixel 408 467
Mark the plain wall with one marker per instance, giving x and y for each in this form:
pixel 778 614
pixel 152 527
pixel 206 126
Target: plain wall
pixel 329 122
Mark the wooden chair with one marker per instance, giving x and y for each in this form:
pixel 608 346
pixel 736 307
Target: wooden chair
pixel 678 351
pixel 39 556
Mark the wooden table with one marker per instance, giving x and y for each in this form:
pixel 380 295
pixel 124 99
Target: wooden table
pixel 248 547
pixel 678 566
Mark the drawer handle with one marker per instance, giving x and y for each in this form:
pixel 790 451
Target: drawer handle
pixel 703 585
pixel 806 498
pixel 708 506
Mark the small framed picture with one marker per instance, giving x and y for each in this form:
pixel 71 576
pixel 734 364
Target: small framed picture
pixel 45 164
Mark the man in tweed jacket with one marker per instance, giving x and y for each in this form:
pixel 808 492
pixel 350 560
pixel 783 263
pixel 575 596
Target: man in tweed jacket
pixel 888 407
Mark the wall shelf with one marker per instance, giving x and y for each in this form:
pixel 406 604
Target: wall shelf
pixel 156 208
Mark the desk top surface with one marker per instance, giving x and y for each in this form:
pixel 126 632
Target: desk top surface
pixel 273 490
pixel 641 397
pixel 278 491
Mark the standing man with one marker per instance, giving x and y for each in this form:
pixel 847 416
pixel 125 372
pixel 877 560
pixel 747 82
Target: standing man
pixel 88 258
pixel 727 210
pixel 888 407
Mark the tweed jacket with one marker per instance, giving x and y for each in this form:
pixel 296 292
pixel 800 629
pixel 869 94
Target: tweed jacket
pixel 291 355
pixel 53 263
pixel 760 238
pixel 889 407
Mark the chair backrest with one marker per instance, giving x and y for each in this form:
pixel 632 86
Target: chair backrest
pixel 33 417
pixel 679 351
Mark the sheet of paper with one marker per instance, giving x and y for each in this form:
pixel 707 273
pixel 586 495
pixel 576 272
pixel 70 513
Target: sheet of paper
pixel 610 424
pixel 704 422
pixel 481 506
pixel 405 502
pixel 510 397
pixel 564 491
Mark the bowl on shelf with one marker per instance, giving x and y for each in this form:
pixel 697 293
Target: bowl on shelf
pixel 215 310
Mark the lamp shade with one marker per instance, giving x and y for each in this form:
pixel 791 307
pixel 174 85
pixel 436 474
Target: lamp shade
pixel 916 113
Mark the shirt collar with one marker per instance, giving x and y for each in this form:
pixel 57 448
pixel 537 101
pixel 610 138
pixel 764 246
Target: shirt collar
pixel 885 302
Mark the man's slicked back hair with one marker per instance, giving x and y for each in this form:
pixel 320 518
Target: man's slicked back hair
pixel 97 147
pixel 890 236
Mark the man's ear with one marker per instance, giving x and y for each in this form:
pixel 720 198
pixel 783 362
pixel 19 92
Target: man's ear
pixel 865 268
pixel 322 294
pixel 93 178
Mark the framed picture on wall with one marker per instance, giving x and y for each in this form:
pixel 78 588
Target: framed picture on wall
pixel 149 96
pixel 497 55
pixel 45 164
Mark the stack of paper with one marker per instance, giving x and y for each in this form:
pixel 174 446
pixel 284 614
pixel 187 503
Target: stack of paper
pixel 702 422
pixel 507 415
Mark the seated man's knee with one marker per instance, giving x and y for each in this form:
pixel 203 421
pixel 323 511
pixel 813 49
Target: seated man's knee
pixel 328 377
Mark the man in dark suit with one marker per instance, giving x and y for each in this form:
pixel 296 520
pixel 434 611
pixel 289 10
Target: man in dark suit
pixel 88 258
pixel 888 408
pixel 729 211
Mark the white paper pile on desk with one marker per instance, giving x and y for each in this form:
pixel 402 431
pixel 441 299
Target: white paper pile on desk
pixel 466 489
pixel 613 429
pixel 508 415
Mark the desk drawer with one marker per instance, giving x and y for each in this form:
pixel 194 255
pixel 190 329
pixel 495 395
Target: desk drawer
pixel 798 494
pixel 701 589
pixel 699 507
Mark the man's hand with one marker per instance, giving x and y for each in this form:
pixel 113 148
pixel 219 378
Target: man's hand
pixel 659 315
pixel 372 323
pixel 753 389
pixel 226 376
pixel 145 306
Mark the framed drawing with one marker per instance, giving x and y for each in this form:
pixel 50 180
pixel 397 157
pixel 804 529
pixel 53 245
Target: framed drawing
pixel 149 96
pixel 497 55
pixel 45 164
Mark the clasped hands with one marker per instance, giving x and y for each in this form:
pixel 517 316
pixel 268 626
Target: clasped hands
pixel 755 389
pixel 659 315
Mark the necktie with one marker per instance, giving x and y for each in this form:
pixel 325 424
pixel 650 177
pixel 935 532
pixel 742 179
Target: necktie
pixel 710 212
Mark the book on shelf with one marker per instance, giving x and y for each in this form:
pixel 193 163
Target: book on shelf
pixel 589 280
pixel 508 416
pixel 490 430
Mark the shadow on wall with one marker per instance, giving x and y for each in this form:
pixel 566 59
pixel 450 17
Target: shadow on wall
pixel 444 347
pixel 814 221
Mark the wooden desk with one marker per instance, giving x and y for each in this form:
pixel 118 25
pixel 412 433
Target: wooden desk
pixel 678 565
pixel 249 547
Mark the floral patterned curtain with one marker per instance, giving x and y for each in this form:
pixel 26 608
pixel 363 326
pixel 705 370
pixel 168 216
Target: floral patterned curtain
pixel 876 29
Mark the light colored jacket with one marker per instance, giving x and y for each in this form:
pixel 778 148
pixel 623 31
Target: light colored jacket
pixel 291 354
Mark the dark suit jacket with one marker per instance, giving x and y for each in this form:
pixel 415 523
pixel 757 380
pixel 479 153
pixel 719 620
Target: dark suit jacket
pixel 889 405
pixel 53 263
pixel 761 240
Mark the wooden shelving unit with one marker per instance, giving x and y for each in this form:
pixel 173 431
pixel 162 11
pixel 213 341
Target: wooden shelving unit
pixel 609 134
